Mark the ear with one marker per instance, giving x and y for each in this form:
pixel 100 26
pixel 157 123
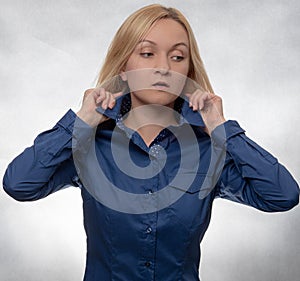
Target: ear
pixel 123 76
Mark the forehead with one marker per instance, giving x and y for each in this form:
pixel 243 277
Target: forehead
pixel 166 31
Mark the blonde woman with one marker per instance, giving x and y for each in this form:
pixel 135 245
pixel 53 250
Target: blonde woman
pixel 150 149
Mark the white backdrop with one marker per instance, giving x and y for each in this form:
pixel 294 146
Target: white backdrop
pixel 51 51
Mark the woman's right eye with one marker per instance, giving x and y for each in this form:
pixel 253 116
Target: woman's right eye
pixel 146 54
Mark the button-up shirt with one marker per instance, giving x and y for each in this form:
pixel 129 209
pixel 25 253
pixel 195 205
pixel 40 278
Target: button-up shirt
pixel 161 244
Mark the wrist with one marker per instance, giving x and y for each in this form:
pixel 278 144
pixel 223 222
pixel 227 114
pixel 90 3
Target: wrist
pixel 212 126
pixel 89 119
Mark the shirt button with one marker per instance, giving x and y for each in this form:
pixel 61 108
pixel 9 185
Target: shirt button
pixel 75 179
pixel 147 263
pixel 148 230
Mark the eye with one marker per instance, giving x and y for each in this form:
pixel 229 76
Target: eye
pixel 146 54
pixel 177 58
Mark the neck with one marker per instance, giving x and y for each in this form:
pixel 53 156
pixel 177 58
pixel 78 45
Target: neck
pixel 150 119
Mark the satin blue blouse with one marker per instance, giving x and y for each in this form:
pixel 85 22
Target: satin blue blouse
pixel 162 244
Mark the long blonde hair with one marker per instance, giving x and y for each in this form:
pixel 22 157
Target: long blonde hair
pixel 133 29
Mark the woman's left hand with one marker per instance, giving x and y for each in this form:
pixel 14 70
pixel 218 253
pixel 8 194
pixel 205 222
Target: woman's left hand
pixel 210 107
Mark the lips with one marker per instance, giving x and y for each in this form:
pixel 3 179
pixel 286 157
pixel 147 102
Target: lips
pixel 161 85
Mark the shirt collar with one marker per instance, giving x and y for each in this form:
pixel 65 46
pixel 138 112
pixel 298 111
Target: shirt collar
pixel 123 105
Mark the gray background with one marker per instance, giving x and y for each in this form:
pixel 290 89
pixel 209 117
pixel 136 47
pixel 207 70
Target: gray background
pixel 51 51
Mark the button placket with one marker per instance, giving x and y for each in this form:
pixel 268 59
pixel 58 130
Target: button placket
pixel 148 229
pixel 150 223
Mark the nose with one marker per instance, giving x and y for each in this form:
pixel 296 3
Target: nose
pixel 162 65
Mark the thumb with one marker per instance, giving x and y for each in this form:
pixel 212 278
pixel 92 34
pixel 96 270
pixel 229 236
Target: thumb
pixel 118 94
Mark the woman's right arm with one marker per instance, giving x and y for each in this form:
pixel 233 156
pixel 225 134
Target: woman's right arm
pixel 48 165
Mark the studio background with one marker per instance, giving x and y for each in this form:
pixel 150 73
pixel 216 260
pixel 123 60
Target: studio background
pixel 51 52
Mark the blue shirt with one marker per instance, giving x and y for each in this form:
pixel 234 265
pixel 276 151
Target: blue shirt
pixel 162 245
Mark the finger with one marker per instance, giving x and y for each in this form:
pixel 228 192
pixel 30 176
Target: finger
pixel 106 100
pixel 202 102
pixel 113 98
pixel 101 97
pixel 188 95
pixel 205 98
pixel 195 102
pixel 97 91
pixel 111 103
pixel 196 99
pixel 116 95
pixel 192 99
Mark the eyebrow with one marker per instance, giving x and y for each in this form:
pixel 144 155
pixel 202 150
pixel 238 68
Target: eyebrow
pixel 153 43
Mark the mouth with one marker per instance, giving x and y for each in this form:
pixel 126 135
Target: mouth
pixel 161 85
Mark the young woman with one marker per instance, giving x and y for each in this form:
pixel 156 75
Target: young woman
pixel 150 150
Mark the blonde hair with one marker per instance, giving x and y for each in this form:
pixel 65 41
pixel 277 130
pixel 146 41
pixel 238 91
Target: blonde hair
pixel 133 29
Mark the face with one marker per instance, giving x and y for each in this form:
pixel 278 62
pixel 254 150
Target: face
pixel 157 69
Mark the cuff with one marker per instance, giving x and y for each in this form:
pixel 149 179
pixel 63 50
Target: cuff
pixel 67 121
pixel 82 135
pixel 225 131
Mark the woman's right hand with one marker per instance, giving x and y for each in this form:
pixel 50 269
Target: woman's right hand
pixel 92 99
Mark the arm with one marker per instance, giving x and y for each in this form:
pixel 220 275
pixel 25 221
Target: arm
pixel 46 166
pixel 250 175
pixel 253 176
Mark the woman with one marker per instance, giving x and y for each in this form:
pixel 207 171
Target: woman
pixel 154 107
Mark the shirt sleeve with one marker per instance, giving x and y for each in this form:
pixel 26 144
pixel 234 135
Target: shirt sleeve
pixel 46 166
pixel 251 175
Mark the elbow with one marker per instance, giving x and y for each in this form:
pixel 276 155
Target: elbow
pixel 16 189
pixel 287 201
pixel 293 199
pixel 12 189
pixel 291 193
pixel 10 185
pixel 288 191
pixel 282 201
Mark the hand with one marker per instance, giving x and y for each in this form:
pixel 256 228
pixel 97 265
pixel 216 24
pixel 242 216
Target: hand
pixel 210 107
pixel 92 99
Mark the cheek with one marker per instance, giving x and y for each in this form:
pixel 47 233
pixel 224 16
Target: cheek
pixel 134 62
pixel 177 84
pixel 139 79
pixel 182 68
pixel 136 78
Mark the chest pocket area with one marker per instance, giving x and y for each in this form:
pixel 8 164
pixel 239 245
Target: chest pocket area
pixel 193 208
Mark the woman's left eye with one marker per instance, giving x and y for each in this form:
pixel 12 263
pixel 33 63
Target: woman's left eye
pixel 146 54
pixel 177 58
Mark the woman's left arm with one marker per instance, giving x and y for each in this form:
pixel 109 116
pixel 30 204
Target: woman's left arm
pixel 251 175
